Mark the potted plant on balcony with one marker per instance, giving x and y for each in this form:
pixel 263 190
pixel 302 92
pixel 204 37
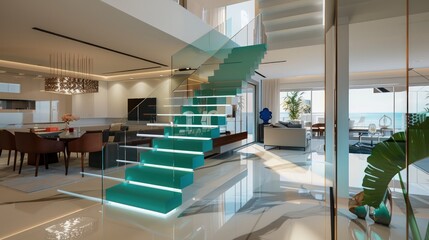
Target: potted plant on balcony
pixel 294 104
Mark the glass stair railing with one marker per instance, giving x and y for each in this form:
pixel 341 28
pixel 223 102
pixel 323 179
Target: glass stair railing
pixel 157 159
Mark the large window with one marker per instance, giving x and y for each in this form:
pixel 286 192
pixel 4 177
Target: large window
pixel 311 109
pixel 10 87
pixel 377 106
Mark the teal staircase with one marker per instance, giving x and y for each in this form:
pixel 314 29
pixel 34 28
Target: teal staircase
pixel 157 181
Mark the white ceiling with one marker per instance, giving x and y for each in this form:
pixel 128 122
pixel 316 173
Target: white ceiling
pixel 377 45
pixel 377 42
pixel 90 21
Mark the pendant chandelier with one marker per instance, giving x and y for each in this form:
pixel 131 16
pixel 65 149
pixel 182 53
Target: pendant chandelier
pixel 70 74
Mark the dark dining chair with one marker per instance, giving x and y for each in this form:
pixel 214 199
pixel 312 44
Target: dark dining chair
pixel 88 143
pixel 30 143
pixel 7 142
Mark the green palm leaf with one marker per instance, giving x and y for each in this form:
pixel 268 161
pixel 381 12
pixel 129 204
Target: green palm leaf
pixel 388 158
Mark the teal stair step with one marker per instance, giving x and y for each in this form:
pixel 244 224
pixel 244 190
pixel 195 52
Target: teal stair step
pixel 235 69
pixel 218 92
pixel 243 58
pixel 157 200
pixel 183 144
pixel 253 53
pixel 192 131
pixel 214 100
pixel 159 176
pixel 250 66
pixel 225 84
pixel 198 109
pixel 240 71
pixel 222 78
pixel 180 160
pixel 257 48
pixel 200 120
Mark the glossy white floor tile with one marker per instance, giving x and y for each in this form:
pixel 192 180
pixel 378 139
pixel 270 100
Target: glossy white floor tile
pixel 250 194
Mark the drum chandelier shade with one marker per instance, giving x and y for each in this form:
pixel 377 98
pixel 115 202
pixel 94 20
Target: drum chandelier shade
pixel 70 74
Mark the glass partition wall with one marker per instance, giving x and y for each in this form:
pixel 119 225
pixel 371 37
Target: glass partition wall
pixel 380 107
pixel 417 191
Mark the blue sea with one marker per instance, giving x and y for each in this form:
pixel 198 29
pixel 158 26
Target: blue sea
pixel 377 118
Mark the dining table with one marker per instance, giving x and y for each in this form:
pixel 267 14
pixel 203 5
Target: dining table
pixel 64 136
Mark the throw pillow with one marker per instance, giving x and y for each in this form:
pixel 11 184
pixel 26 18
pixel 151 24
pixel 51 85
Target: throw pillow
pixel 278 125
pixel 294 125
pixel 284 123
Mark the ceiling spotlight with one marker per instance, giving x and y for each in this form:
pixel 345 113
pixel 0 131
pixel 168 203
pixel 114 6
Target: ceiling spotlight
pixel 161 75
pixel 2 71
pixel 21 74
pixel 131 78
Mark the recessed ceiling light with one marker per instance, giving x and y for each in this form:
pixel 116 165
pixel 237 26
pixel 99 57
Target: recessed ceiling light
pixel 39 76
pixel 2 71
pixel 161 75
pixel 131 78
pixel 21 74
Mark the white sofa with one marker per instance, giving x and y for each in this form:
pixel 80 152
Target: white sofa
pixel 286 137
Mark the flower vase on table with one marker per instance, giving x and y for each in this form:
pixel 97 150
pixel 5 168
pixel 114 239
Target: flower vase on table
pixel 67 118
pixel 67 128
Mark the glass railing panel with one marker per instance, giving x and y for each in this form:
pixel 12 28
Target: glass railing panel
pixel 198 52
pixel 370 166
pixel 165 135
pixel 247 36
pixel 417 161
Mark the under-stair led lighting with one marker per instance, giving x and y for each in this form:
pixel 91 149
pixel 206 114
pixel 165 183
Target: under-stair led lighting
pixel 140 210
pixel 126 161
pixel 173 137
pixel 103 176
pixel 187 90
pixel 210 96
pixel 155 186
pixel 180 125
pixel 163 150
pixel 169 167
pixel 80 196
pixel 191 115
pixel 207 105
pixel 217 96
pixel 172 105
pixel 157 166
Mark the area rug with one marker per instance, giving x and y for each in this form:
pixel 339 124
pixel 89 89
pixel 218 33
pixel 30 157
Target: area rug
pixel 51 178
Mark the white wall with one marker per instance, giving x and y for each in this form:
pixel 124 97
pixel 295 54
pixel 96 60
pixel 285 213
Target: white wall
pixel 112 99
pixel 119 93
pixel 30 90
pixel 92 105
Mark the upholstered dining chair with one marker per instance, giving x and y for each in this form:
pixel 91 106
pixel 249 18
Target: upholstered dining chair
pixel 88 143
pixel 30 143
pixel 7 142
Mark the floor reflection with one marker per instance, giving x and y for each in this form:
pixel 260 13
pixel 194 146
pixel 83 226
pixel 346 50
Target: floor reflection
pixel 251 194
pixel 73 228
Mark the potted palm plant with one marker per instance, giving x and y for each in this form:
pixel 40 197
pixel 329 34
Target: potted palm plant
pixel 294 104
